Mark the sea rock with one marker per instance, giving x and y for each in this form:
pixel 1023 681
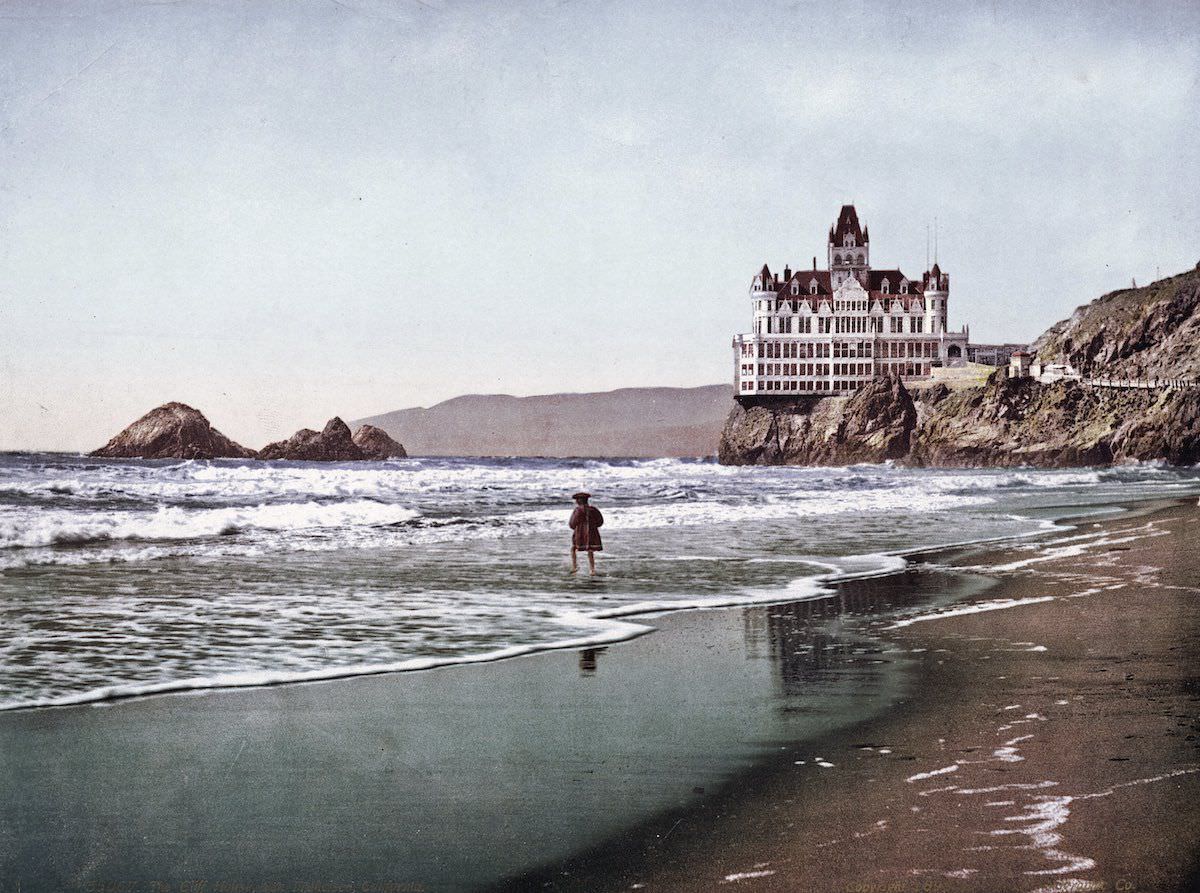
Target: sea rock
pixel 378 444
pixel 173 431
pixel 332 444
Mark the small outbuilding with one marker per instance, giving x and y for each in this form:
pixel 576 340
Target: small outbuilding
pixel 1019 364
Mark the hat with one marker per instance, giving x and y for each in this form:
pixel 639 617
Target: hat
pixel 581 495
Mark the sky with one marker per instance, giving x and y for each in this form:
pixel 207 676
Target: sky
pixel 281 212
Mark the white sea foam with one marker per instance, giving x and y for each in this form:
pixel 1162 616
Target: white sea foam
pixel 920 776
pixel 54 528
pixel 331 570
pixel 1000 604
pixel 747 875
pixel 607 633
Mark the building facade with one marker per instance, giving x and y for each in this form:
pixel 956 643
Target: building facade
pixel 992 354
pixel 829 331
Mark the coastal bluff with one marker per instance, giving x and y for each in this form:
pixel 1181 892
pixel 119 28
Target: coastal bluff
pixel 1150 333
pixel 178 431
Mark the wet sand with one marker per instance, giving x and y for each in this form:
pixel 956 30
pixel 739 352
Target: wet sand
pixel 1049 746
pixel 971 752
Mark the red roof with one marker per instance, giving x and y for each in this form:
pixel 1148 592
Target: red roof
pixel 804 278
pixel 847 223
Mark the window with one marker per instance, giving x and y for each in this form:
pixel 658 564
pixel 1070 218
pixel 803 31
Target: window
pixel 812 288
pixel 885 287
pixel 837 259
pixel 795 288
pixel 861 258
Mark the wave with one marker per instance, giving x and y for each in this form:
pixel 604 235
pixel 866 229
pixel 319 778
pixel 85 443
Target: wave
pixel 613 633
pixel 176 523
pixel 610 625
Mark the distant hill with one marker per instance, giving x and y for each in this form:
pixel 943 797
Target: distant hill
pixel 630 422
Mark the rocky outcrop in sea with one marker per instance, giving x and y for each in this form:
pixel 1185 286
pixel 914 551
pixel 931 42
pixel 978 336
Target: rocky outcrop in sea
pixel 177 431
pixel 333 443
pixel 377 444
pixel 172 431
pixel 1148 333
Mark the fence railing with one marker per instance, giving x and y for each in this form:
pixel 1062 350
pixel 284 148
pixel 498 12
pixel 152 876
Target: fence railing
pixel 1144 384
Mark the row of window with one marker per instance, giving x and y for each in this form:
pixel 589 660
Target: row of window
pixel 811 369
pixel 830 325
pixel 786 306
pixel 801 350
pixel 803 387
pixel 901 349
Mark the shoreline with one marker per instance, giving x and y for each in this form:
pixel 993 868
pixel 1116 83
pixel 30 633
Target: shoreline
pixel 823 585
pixel 897 795
pixel 460 777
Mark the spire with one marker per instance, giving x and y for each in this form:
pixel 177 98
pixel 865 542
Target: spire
pixel 847 224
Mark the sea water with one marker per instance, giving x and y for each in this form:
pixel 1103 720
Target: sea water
pixel 125 577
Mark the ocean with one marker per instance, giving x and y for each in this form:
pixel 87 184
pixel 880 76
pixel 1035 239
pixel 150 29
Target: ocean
pixel 121 578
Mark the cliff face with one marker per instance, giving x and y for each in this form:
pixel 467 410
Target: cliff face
pixel 1149 332
pixel 172 431
pixel 1153 332
pixel 1021 422
pixel 873 425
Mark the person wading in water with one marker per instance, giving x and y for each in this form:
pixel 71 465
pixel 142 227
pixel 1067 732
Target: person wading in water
pixel 586 521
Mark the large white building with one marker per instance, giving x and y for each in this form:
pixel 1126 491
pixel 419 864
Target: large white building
pixel 830 331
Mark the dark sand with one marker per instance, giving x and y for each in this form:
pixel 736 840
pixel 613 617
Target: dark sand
pixel 1050 746
pixel 670 761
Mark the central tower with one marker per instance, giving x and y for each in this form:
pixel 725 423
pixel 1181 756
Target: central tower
pixel 849 248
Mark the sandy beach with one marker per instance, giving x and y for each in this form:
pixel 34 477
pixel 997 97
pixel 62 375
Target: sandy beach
pixel 993 718
pixel 1048 746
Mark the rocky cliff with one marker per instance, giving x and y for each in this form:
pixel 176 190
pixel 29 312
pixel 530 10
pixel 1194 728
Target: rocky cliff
pixel 1152 332
pixel 1021 422
pixel 1149 332
pixel 378 444
pixel 873 425
pixel 172 431
pixel 334 443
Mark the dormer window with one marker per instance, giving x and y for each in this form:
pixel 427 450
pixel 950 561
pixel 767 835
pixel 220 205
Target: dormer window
pixel 795 288
pixel 812 288
pixel 885 287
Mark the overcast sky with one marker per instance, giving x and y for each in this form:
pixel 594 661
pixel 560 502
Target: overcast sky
pixel 278 212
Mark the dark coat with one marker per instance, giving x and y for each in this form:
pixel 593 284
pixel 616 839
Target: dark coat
pixel 586 521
